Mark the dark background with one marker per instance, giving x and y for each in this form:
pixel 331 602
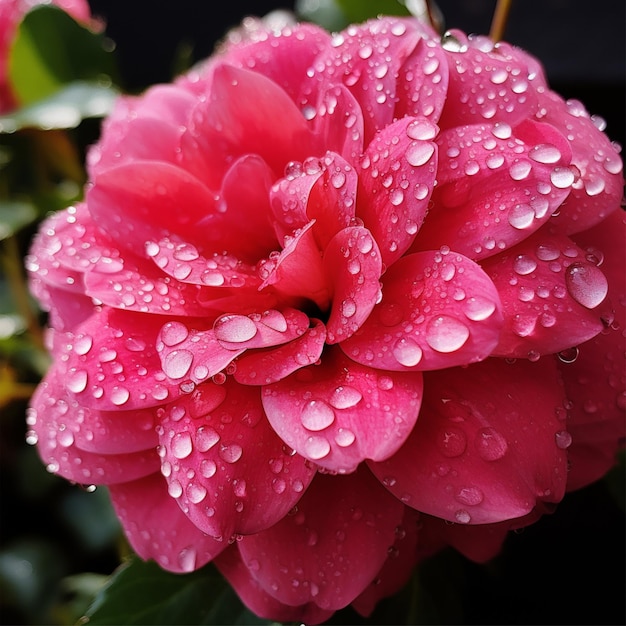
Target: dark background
pixel 569 567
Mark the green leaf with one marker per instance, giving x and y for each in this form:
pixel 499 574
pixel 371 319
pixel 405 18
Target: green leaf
pixel 141 592
pixel 15 215
pixel 50 50
pixel 64 109
pixel 335 15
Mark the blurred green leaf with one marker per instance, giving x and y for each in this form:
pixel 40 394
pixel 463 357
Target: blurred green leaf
pixel 15 215
pixel 51 50
pixel 65 108
pixel 141 592
pixel 335 15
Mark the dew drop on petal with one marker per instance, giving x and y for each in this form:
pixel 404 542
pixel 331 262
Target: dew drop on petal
pixel 470 496
pixel 76 380
pixel 316 447
pixel 545 153
pixel 452 442
pixel 174 333
pixel 345 397
pixel 177 363
pixel 563 439
pixel 586 284
pixel 478 308
pixel 119 396
pixel 524 264
pixel 562 177
pixel 446 334
pixel 181 445
pixel 344 437
pixel 462 517
pixel 418 154
pixel 490 444
pixel 234 328
pixel 521 216
pixel 230 453
pixel 206 438
pixel 317 415
pixel 407 352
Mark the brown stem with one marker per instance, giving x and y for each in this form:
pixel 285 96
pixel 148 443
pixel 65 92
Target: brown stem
pixel 500 18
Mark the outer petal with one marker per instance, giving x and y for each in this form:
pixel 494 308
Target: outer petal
pixel 395 183
pixel 54 418
pixel 594 375
pixel 401 560
pixel 341 529
pixel 353 265
pixel 552 297
pixel 488 82
pixel 600 187
pixel 228 470
pixel 495 186
pixel 480 457
pixel 113 363
pixel 439 309
pixel 258 600
pixel 157 529
pixel 339 413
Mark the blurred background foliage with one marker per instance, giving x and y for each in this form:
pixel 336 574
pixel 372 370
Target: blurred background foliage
pixel 59 543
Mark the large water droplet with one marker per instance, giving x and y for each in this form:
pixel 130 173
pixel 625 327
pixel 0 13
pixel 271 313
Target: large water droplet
pixel 586 284
pixel 446 334
pixel 177 363
pixel 407 352
pixel 317 415
pixel 234 328
pixel 119 396
pixel 206 438
pixel 345 397
pixel 316 447
pixel 181 445
pixel 230 453
pixel 470 496
pixel 478 308
pixel 452 441
pixel 490 444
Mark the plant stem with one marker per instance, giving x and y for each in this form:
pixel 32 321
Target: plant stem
pixel 500 18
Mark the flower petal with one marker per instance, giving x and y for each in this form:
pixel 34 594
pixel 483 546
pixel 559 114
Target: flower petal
pixel 488 81
pixel 258 600
pixel 118 368
pixel 55 418
pixel 228 470
pixel 263 367
pixel 353 265
pixel 339 413
pixel 396 179
pixel 398 567
pixel 341 529
pixel 480 457
pixel 439 309
pixel 157 529
pixel 600 188
pixel 497 185
pixel 552 297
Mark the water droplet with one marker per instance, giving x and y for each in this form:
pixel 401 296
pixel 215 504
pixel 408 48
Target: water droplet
pixel 174 333
pixel 234 328
pixel 348 307
pixel 187 559
pixel 230 453
pixel 345 397
pixel 462 517
pixel 119 396
pixel 490 444
pixel 545 153
pixel 470 496
pixel 586 284
pixel 195 493
pixel 407 352
pixel 175 489
pixel 452 441
pixel 446 334
pixel 344 437
pixel 177 363
pixel 520 170
pixel 562 177
pixel 208 468
pixel 317 415
pixel 563 439
pixel 524 265
pixel 521 216
pixel 82 344
pixel 316 447
pixel 181 445
pixel 569 355
pixel 478 308
pixel 206 438
pixel 76 380
pixel 418 154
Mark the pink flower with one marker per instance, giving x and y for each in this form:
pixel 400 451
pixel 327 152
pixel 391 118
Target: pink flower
pixel 328 294
pixel 11 14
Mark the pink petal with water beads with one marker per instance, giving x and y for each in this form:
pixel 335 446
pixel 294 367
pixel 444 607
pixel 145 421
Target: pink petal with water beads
pixel 339 413
pixel 341 529
pixel 401 559
pixel 552 297
pixel 600 187
pixel 239 223
pixel 487 81
pixel 227 469
pixel 594 373
pixel 158 530
pixel 54 419
pixel 319 190
pixel 353 266
pixel 338 122
pixel 259 601
pixel 366 58
pixel 423 82
pixel 495 186
pixel 475 457
pixel 438 310
pixel 263 367
pixel 296 271
pixel 396 179
pixel 155 199
pixel 119 368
